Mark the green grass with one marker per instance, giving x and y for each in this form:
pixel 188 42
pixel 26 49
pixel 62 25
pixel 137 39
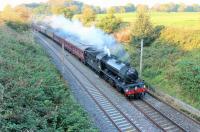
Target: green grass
pixel 174 19
pixel 171 69
pixel 33 95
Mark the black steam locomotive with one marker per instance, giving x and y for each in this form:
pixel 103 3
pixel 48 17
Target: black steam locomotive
pixel 119 74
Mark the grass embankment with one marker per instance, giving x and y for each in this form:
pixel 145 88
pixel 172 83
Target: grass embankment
pixel 34 97
pixel 189 20
pixel 172 64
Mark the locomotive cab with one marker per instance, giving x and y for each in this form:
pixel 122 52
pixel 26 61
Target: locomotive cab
pixel 93 58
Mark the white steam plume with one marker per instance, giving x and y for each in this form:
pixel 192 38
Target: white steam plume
pixel 87 35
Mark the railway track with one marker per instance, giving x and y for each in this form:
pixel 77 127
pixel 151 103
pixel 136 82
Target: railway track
pixel 172 107
pixel 159 119
pixel 120 120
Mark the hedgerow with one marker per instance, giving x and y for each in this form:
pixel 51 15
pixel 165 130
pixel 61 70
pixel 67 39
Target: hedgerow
pixel 18 26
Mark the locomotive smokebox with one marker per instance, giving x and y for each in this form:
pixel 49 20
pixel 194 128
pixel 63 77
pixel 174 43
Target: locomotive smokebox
pixel 131 75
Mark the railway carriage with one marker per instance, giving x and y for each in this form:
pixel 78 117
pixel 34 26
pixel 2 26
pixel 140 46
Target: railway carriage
pixel 49 33
pixel 57 38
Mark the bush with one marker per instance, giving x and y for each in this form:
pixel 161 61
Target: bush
pixel 109 23
pixel 188 75
pixel 148 39
pixel 18 26
pixel 123 35
pixel 184 38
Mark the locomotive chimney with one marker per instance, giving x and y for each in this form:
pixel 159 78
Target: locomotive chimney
pixel 106 50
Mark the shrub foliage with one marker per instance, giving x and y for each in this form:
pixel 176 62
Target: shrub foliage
pixel 186 39
pixel 109 23
pixel 33 95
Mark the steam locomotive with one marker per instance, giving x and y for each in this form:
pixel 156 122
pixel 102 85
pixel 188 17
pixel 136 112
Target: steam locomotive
pixel 119 74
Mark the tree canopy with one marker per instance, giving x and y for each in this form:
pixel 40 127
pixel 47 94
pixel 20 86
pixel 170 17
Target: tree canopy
pixel 88 15
pixel 19 14
pixel 109 23
pixel 142 28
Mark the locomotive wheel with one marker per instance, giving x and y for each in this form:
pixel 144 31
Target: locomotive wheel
pixel 111 82
pixel 118 89
pixel 101 75
pixel 136 96
pixel 141 95
pixel 129 97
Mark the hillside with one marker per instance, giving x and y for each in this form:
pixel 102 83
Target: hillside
pixel 34 97
pixel 172 64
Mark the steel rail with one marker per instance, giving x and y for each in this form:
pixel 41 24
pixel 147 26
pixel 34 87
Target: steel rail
pixel 160 113
pixel 92 95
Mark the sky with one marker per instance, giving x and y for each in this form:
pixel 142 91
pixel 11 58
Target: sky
pixel 102 3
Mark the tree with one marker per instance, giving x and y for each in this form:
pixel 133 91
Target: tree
pixel 143 28
pixel 122 10
pixel 97 9
pixel 173 7
pixel 7 13
pixel 182 7
pixel 57 2
pixel 57 6
pixel 18 14
pixel 142 7
pixel 57 9
pixel 109 23
pixel 129 7
pixel 196 7
pixel 41 9
pixel 88 15
pixel 23 13
pixel 189 9
pixel 68 13
pixel 73 8
pixel 111 10
pixel 169 7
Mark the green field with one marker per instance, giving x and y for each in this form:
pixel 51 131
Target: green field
pixel 174 19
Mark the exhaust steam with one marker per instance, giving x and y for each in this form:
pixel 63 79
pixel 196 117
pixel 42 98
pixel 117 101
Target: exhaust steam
pixel 87 35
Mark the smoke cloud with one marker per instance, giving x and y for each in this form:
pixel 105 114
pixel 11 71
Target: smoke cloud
pixel 87 35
